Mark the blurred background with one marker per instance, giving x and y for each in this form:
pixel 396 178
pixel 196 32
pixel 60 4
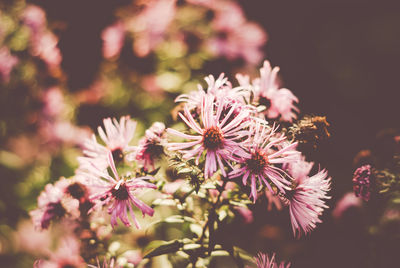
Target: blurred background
pixel 75 62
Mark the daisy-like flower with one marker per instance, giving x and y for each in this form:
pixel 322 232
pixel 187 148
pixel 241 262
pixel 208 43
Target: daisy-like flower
pixel 219 137
pixel 151 146
pixel 280 102
pixel 259 160
pixel 116 138
pixel 54 204
pixel 262 260
pixel 306 199
pixel 118 193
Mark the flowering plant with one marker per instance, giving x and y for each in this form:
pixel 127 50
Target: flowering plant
pixel 225 150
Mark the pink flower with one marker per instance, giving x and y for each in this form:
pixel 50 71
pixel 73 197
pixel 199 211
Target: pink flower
pixel 7 63
pixel 305 199
pixel 151 24
pixel 34 17
pixel 217 135
pixel 118 193
pixel 116 137
pixel 113 39
pixel 45 47
pixel 264 261
pixel 151 147
pixel 347 201
pixel 67 255
pixel 54 204
pixel 361 182
pixel 259 160
pixel 279 102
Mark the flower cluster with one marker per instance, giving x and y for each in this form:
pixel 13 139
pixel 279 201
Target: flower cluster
pixel 230 131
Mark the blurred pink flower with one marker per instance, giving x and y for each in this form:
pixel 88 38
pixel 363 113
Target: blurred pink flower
pixel 246 214
pixel 151 146
pixel 45 47
pixel 218 136
pixel 54 103
pixel 67 255
pixel 259 160
pixel 117 193
pixel 54 204
pixel 264 261
pixel 28 239
pixel 7 63
pixel 113 40
pixel 34 17
pixel 347 201
pixel 150 25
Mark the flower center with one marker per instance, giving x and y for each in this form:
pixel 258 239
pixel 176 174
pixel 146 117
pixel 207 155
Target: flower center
pixel 257 162
pixel 118 155
pixel 56 209
pixel 154 150
pixel 76 190
pixel 121 193
pixel 212 138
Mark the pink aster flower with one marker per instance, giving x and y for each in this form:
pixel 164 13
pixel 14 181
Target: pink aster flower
pixel 361 182
pixel 116 138
pixel 113 40
pixel 34 17
pixel 279 102
pixel 306 199
pixel 260 159
pixel 118 193
pixel 217 135
pixel 7 63
pixel 67 255
pixel 264 261
pixel 151 146
pixel 54 204
pixel 45 47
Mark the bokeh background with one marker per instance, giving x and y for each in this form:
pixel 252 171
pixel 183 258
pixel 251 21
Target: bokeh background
pixel 340 60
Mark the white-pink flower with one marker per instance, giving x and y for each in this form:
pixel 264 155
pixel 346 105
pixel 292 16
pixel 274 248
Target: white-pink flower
pixel 116 137
pixel 218 135
pixel 119 194
pixel 259 161
pixel 307 199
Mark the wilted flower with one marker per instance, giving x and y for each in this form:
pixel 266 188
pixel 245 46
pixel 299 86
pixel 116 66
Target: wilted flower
pixel 259 160
pixel 118 193
pixel 264 261
pixel 361 182
pixel 305 200
pixel 217 135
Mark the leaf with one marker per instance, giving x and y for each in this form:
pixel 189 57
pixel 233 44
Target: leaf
pixel 165 248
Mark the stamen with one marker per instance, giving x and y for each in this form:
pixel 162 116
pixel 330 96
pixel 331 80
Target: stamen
pixel 121 193
pixel 257 162
pixel 212 138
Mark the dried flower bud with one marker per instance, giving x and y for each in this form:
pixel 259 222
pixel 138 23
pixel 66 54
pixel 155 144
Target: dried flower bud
pixel 362 182
pixel 309 131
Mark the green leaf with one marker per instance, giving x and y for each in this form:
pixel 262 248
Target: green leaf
pixel 165 248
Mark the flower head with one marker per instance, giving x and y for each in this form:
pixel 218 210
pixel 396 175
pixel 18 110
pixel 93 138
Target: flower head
pixel 116 138
pixel 264 261
pixel 306 199
pixel 151 146
pixel 217 136
pixel 118 193
pixel 361 182
pixel 54 204
pixel 258 163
